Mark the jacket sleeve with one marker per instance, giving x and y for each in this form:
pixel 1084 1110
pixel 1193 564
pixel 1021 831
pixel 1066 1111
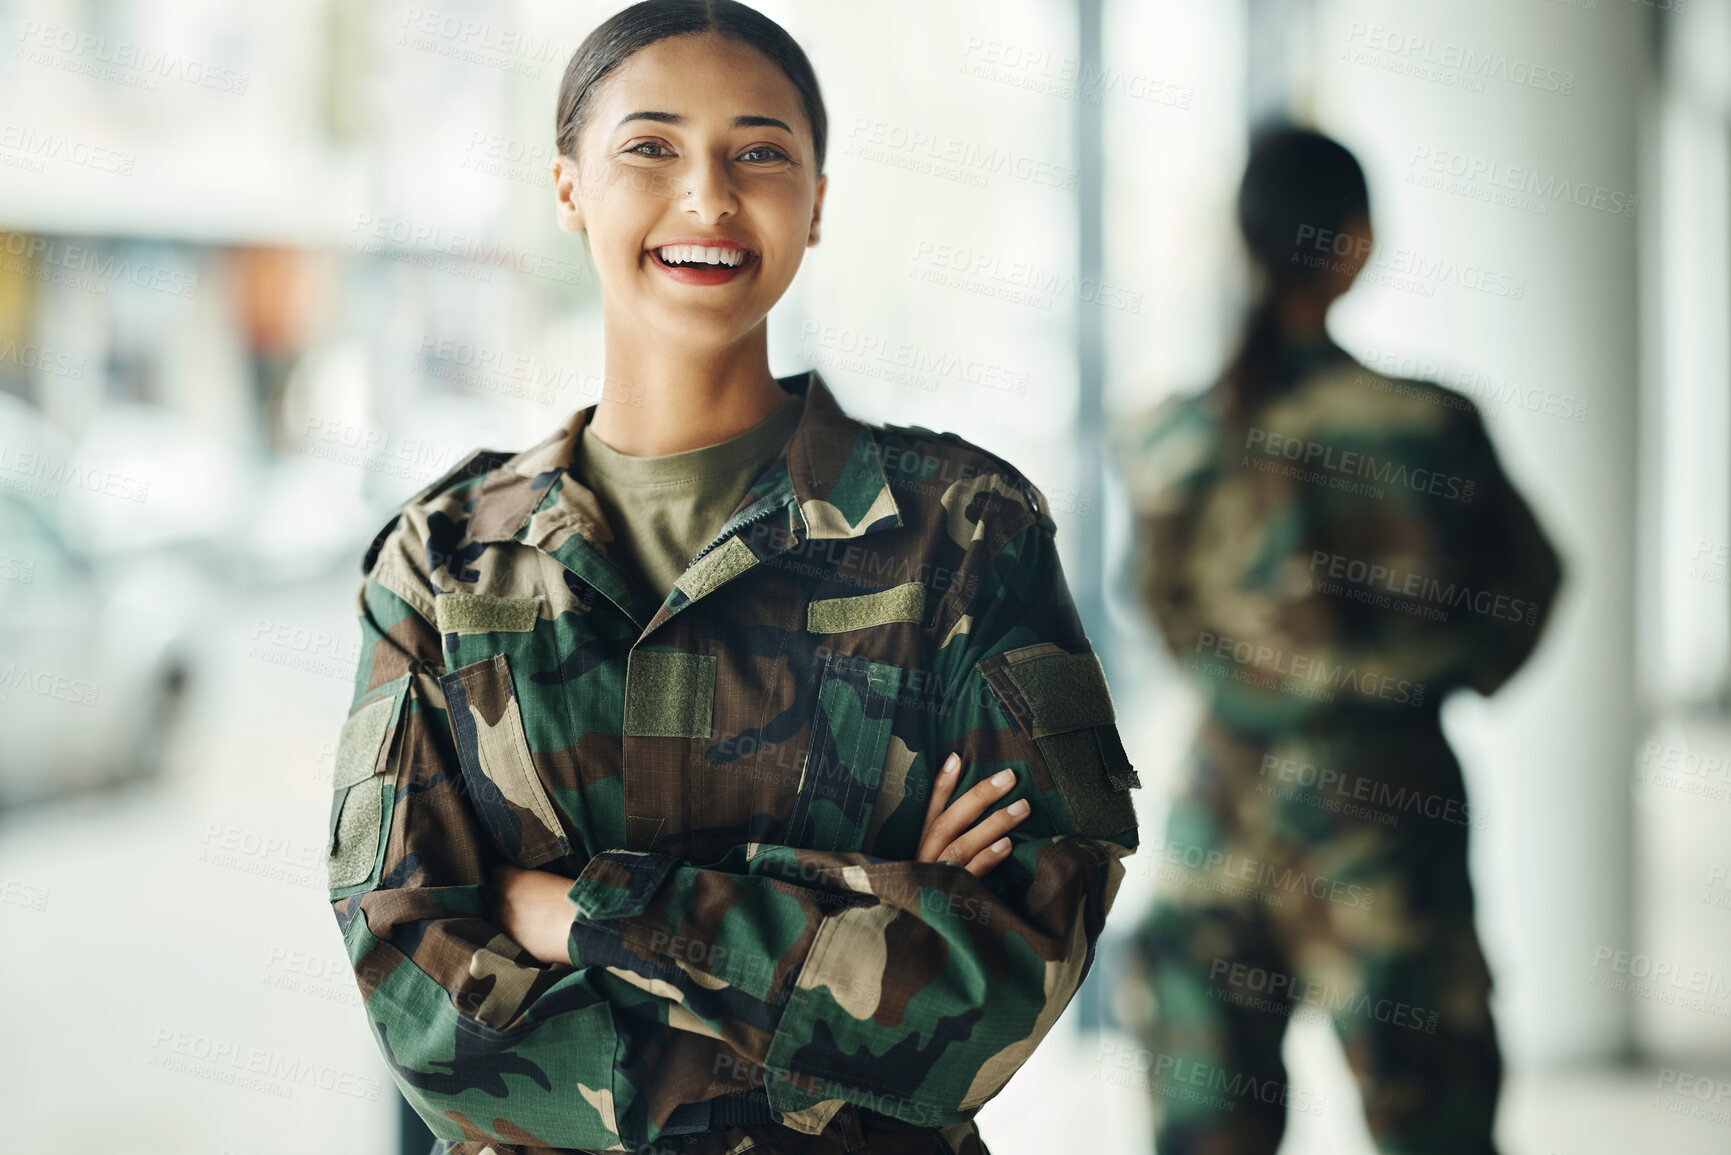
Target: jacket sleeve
pixel 910 989
pixel 485 1041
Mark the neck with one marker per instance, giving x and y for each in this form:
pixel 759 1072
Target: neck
pixel 663 398
pixel 1304 318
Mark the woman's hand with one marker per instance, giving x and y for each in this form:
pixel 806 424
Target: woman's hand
pixel 534 909
pixel 959 834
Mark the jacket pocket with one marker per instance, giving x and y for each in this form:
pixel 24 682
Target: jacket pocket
pixel 363 790
pixel 844 761
pixel 493 751
pixel 1057 696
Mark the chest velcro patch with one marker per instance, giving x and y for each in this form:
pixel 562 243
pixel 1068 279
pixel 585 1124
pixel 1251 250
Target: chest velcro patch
pixel 485 614
pixel 903 603
pixel 669 694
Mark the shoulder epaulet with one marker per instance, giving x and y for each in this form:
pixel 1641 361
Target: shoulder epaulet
pixel 1030 492
pixel 480 462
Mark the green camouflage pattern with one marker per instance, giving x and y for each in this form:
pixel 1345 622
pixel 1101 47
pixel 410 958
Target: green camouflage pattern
pixel 1314 861
pixel 735 780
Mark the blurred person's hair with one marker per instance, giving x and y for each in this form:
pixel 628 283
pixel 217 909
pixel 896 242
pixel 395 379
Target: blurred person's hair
pixel 1298 185
pixel 628 31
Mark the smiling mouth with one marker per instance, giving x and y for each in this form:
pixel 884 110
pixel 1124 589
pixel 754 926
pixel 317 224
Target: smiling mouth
pixel 703 258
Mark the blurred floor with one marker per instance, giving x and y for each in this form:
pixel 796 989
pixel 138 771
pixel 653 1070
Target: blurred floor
pixel 215 1015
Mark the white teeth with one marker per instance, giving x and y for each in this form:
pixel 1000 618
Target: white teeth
pixel 701 255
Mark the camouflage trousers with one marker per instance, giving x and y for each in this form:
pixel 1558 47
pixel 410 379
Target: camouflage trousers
pixel 851 1133
pixel 1323 877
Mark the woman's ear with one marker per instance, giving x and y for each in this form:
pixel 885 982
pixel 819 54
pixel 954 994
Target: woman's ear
pixel 568 210
pixel 816 211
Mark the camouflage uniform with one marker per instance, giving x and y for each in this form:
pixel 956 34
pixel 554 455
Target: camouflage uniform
pixel 736 780
pixel 1328 570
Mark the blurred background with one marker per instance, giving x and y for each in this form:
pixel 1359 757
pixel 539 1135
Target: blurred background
pixel 267 269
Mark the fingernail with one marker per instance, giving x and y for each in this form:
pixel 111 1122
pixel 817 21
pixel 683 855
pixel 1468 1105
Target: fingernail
pixel 950 763
pixel 1003 777
pixel 1019 807
pixel 1000 846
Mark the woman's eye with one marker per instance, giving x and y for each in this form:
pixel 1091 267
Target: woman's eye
pixel 650 148
pixel 763 152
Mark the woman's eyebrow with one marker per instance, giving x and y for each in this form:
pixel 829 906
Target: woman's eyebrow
pixel 675 118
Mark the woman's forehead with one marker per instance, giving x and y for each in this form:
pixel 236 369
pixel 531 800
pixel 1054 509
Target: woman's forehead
pixel 705 78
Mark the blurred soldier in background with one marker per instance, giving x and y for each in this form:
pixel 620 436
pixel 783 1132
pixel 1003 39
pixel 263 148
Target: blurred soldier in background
pixel 1329 552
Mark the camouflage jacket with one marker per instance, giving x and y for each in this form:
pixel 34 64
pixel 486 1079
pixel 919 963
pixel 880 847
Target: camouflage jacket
pixel 735 780
pixel 1353 544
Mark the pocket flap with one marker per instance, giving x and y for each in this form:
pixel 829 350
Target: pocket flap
pixel 1055 689
pixel 361 788
pixel 363 735
pixel 1057 695
pixel 493 751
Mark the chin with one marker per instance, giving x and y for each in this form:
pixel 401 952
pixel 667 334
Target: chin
pixel 700 330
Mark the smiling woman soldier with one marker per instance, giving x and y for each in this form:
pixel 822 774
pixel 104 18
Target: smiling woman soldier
pixel 643 827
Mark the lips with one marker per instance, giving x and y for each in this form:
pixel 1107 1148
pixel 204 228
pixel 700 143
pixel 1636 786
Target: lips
pixel 700 261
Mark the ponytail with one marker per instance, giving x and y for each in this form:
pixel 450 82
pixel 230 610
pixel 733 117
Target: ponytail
pixel 1297 184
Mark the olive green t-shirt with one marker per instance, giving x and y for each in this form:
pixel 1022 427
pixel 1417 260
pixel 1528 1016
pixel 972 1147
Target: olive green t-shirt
pixel 663 509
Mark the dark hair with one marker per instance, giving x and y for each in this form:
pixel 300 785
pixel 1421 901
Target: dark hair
pixel 1298 185
pixel 639 26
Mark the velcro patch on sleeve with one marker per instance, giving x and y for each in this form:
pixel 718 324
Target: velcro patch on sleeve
pixel 1063 690
pixel 361 789
pixel 484 614
pixel 669 694
pixel 358 745
pixel 1058 696
pixel 903 603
